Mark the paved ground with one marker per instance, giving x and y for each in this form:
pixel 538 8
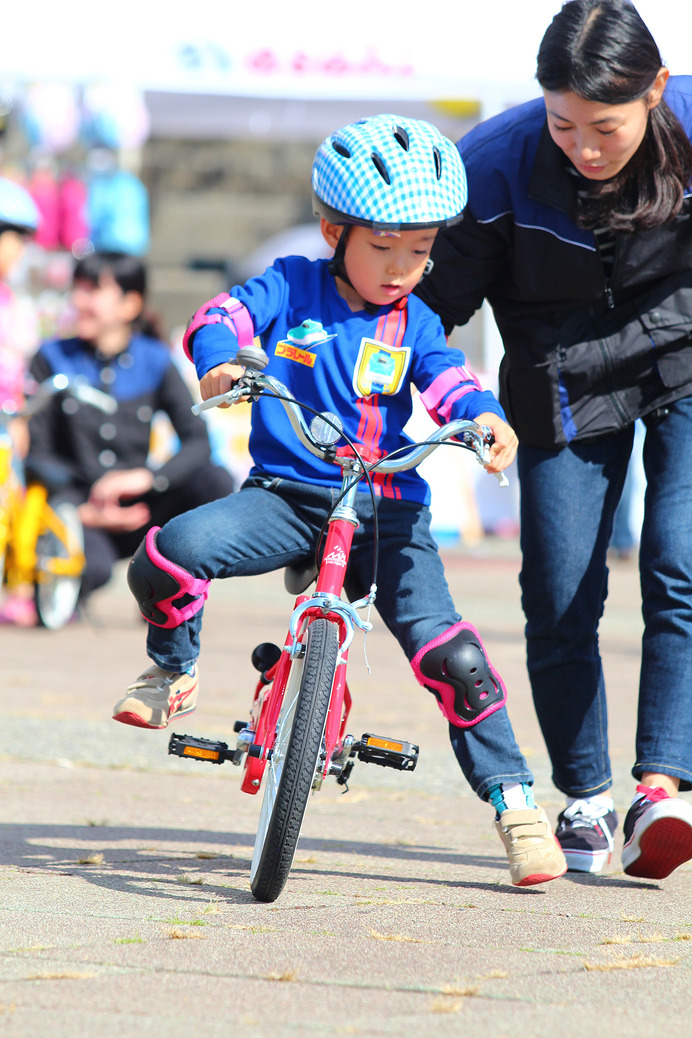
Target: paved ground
pixel 124 898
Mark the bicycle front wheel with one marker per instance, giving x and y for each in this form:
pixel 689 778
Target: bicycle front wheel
pixel 291 768
pixel 60 561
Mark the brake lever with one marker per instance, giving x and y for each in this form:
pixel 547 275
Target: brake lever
pixel 232 396
pixel 482 450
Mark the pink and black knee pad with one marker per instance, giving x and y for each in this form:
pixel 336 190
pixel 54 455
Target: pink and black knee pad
pixel 166 594
pixel 455 668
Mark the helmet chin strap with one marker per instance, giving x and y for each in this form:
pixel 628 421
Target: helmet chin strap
pixel 337 268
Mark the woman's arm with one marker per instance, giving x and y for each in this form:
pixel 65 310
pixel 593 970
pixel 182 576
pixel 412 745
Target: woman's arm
pixel 467 259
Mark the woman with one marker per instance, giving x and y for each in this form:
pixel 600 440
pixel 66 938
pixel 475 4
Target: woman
pixel 103 464
pixel 579 234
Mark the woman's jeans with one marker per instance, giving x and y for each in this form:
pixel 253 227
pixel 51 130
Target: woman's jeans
pixel 272 523
pixel 568 500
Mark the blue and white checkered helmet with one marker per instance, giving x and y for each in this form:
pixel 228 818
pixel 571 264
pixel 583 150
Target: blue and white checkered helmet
pixel 17 207
pixel 389 173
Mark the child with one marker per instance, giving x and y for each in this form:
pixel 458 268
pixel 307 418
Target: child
pixel 381 187
pixel 19 219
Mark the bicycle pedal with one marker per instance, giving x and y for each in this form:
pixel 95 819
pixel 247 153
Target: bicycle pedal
pixel 387 753
pixel 211 750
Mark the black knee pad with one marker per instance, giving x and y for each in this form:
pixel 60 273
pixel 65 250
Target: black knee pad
pixel 455 668
pixel 166 594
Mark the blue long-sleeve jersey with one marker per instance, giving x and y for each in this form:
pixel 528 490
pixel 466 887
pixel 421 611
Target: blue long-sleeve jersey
pixel 359 366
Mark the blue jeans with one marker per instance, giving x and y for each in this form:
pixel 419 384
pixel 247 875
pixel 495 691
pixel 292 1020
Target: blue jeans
pixel 568 500
pixel 271 523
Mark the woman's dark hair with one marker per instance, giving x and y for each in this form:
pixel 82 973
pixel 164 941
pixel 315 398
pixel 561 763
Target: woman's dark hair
pixel 602 51
pixel 129 273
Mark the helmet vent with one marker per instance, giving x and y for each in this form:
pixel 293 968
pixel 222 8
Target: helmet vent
pixel 341 149
pixel 401 137
pixel 380 167
pixel 438 162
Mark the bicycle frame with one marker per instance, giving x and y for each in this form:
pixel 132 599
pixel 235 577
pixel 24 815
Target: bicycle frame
pixel 256 739
pixel 302 702
pixel 37 518
pixel 324 602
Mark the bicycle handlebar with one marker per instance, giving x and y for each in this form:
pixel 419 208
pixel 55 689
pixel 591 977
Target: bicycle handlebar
pixel 74 385
pixel 252 384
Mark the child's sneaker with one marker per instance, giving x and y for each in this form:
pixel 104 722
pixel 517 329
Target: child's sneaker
pixel 156 696
pixel 534 854
pixel 585 832
pixel 658 834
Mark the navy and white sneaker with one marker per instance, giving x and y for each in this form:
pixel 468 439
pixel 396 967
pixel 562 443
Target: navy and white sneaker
pixel 658 834
pixel 585 832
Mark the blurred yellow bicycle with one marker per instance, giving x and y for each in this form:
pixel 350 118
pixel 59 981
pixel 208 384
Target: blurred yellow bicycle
pixel 41 536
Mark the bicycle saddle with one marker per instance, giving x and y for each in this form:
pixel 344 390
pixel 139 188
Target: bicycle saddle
pixel 299 577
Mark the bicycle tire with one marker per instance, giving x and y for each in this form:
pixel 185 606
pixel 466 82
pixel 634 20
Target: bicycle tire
pixel 291 768
pixel 56 595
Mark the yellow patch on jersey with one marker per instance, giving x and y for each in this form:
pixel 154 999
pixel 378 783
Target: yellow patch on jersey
pixel 291 352
pixel 380 368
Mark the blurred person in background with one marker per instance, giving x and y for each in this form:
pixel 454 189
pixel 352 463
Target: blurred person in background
pixel 103 461
pixel 19 219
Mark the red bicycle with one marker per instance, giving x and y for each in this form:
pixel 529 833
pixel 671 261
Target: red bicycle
pixel 297 732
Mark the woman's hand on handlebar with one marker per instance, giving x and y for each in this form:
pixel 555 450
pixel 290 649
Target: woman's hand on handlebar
pixel 503 450
pixel 219 380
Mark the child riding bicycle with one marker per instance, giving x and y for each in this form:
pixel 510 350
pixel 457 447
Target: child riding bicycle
pixel 345 336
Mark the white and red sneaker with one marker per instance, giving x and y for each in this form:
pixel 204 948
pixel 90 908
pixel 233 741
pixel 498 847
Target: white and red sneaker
pixel 658 834
pixel 156 696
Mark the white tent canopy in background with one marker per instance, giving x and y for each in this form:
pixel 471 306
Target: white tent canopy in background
pixel 483 51
pixel 210 67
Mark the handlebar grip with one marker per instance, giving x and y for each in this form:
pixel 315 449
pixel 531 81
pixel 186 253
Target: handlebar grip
pixel 212 401
pixel 234 395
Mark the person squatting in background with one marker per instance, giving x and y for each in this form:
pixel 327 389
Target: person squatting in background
pixel 101 460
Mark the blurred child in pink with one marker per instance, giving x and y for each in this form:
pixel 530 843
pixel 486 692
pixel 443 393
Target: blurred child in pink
pixel 19 218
